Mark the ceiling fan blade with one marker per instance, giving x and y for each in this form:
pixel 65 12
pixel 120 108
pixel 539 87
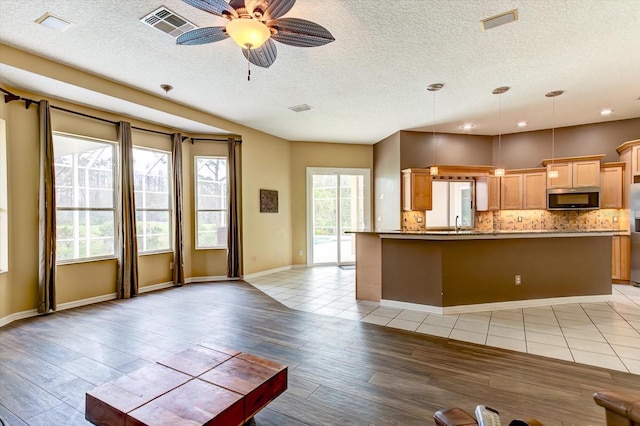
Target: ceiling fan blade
pixel 216 7
pixel 263 56
pixel 300 32
pixel 271 9
pixel 202 36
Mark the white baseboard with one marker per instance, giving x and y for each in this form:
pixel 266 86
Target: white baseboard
pixel 155 287
pixel 208 279
pixel 267 272
pixel 18 316
pixel 60 307
pixel 497 306
pixel 89 301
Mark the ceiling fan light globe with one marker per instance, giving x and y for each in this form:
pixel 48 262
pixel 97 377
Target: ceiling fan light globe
pixel 248 33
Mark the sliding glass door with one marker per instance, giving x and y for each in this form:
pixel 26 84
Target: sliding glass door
pixel 338 200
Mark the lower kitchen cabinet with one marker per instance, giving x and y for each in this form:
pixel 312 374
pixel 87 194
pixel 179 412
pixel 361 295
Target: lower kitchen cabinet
pixel 621 257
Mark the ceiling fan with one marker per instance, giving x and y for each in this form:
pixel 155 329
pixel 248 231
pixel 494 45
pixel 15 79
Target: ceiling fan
pixel 254 25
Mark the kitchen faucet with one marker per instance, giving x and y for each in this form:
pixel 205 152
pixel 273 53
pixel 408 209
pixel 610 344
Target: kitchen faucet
pixel 457 227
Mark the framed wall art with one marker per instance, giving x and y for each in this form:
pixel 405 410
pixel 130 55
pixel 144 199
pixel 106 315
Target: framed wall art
pixel 268 201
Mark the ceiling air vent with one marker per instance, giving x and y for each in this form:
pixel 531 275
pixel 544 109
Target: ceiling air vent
pixel 503 18
pixel 168 22
pixel 300 108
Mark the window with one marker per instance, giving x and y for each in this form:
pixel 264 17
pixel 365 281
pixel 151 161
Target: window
pixel 151 174
pixel 211 202
pixel 452 201
pixel 85 197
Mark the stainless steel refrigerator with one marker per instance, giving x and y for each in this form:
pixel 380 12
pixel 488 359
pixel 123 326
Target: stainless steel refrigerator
pixel 635 234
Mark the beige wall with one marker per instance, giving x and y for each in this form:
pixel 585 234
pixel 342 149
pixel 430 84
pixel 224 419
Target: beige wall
pixel 266 163
pixel 308 154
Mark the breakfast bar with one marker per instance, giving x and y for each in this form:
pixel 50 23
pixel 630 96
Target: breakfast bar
pixel 461 271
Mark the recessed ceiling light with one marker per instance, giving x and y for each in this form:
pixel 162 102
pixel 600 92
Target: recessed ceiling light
pixel 522 124
pixel 467 126
pixel 606 112
pixel 53 22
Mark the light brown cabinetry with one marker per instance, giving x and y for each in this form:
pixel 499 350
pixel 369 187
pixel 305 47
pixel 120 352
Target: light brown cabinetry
pixel 524 189
pixel 574 172
pixel 565 175
pixel 620 257
pixel 534 190
pixel 611 186
pixel 416 189
pixel 494 193
pixel 630 155
pixel 511 192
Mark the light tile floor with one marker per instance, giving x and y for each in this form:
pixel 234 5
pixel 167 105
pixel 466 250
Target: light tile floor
pixel 604 334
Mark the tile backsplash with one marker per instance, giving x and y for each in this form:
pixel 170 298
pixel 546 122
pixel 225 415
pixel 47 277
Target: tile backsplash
pixel 533 220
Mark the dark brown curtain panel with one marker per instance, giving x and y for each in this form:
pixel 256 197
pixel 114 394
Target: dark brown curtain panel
pixel 46 215
pixel 178 251
pixel 127 279
pixel 233 235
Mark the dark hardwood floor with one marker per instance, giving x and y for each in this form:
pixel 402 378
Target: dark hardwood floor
pixel 341 372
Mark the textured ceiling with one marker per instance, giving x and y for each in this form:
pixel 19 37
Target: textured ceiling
pixel 370 82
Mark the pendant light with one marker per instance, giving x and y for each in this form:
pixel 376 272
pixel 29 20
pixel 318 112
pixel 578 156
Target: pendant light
pixel 553 174
pixel 433 170
pixel 499 91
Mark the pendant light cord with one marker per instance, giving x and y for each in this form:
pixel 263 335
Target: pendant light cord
pixel 553 131
pixel 500 131
pixel 433 128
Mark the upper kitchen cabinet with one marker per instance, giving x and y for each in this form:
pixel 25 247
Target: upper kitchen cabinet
pixel 511 191
pixel 488 193
pixel 611 185
pixel 534 191
pixel 416 189
pixel 574 172
pixel 630 154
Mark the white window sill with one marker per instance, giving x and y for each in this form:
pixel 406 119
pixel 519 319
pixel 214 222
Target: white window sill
pixel 151 253
pixel 211 248
pixel 85 260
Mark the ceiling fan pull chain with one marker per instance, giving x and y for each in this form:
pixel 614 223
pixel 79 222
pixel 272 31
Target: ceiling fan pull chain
pixel 248 64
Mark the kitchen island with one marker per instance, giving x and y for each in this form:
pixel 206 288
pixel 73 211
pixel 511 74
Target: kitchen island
pixel 449 272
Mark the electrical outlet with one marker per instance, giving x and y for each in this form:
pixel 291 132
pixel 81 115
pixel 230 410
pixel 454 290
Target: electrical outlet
pixel 419 220
pixel 518 280
pixel 615 219
pixel 300 252
pixel 519 218
pixel 171 265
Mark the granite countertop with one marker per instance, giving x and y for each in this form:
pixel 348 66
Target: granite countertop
pixel 472 234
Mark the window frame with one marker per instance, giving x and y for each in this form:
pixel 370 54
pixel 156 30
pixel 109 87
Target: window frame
pixel 170 208
pixel 451 196
pixel 197 210
pixel 116 178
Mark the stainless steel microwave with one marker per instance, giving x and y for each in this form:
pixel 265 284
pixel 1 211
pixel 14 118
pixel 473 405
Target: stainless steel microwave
pixel 573 198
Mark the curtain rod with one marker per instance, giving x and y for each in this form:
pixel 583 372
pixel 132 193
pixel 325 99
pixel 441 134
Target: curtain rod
pixel 9 97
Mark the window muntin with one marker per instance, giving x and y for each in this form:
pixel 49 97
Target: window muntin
pixel 151 182
pixel 85 197
pixel 211 202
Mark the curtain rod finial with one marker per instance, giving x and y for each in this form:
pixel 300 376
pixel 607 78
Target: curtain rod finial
pixel 9 97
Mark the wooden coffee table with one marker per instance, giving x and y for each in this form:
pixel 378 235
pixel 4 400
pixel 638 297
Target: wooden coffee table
pixel 203 385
